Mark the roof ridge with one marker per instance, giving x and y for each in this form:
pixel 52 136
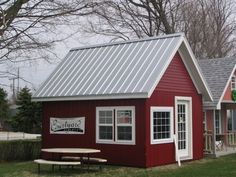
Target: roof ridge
pixel 180 34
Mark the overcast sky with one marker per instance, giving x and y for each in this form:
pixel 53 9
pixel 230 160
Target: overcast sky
pixel 36 73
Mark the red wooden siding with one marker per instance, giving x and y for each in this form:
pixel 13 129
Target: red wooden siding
pixel 209 119
pixel 132 155
pixel 175 82
pixel 176 78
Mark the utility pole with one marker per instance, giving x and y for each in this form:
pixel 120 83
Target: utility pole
pixel 18 80
pixel 15 91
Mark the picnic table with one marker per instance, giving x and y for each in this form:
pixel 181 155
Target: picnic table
pixel 65 156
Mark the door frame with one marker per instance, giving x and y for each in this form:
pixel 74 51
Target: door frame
pixel 188 100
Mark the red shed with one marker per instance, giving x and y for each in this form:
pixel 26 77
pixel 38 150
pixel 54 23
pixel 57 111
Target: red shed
pixel 133 100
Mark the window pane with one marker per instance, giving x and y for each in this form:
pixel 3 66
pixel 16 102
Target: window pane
pixel 124 117
pixel 161 125
pixel 124 132
pixel 105 132
pixel 229 120
pixel 105 117
pixel 233 83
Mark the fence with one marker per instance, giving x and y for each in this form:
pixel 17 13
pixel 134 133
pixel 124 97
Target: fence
pixel 17 136
pixel 224 140
pixel 208 141
pixel 231 139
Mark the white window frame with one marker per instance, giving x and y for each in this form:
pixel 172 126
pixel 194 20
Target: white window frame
pixel 219 119
pixel 162 109
pixel 233 88
pixel 115 137
pixel 98 124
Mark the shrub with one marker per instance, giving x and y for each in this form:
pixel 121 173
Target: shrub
pixel 18 150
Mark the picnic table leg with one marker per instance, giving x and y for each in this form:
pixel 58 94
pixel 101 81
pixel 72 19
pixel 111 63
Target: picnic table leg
pixel 52 168
pixel 38 168
pixel 82 162
pixel 88 161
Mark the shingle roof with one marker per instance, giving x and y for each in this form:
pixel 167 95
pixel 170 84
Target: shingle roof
pixel 217 72
pixel 130 69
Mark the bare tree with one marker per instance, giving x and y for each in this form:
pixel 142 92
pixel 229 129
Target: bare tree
pixel 208 24
pixel 27 27
pixel 126 19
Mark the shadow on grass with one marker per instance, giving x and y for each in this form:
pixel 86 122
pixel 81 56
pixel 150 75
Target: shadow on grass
pixel 46 170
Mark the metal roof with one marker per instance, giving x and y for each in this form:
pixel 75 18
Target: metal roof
pixel 218 73
pixel 129 69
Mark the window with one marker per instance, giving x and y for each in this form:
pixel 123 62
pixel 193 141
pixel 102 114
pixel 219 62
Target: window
pixel 105 124
pixel 231 120
pixel 161 125
pixel 233 83
pixel 217 122
pixel 115 125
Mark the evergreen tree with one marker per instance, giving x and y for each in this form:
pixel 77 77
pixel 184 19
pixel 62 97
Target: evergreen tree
pixel 28 117
pixel 4 107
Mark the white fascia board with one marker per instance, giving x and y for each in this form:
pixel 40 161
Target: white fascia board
pixel 168 60
pixel 92 97
pixel 196 68
pixel 226 86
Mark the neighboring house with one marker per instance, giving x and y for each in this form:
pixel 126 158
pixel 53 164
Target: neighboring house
pixel 128 99
pixel 220 114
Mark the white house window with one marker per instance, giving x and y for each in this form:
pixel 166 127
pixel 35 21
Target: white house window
pixel 233 83
pixel 217 122
pixel 231 120
pixel 105 124
pixel 161 125
pixel 115 125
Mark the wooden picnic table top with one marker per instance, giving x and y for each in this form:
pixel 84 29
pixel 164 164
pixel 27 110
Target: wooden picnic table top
pixel 71 150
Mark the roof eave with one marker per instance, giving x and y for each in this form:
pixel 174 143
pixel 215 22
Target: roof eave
pixel 91 97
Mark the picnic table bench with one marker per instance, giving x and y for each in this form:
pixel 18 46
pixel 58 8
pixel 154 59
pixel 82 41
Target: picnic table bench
pixel 89 160
pixel 53 163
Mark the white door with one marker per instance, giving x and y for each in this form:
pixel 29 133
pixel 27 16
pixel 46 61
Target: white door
pixel 184 128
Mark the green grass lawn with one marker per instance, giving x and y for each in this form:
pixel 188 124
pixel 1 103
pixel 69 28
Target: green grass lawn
pixel 221 167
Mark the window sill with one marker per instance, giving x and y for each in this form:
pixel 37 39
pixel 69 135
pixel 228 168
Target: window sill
pixel 164 141
pixel 115 143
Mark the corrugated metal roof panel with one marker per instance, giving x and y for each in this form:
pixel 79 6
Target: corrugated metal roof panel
pixel 132 67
